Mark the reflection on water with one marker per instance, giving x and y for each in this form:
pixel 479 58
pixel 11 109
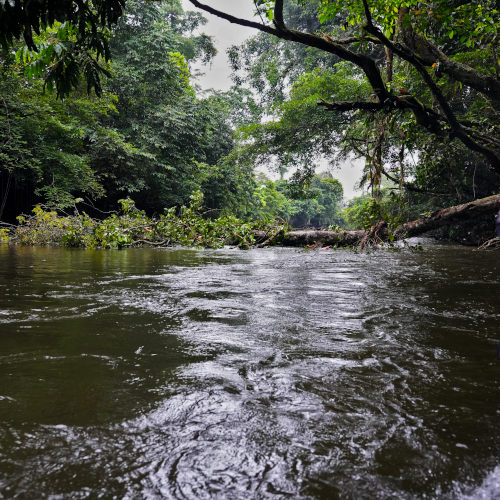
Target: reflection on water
pixel 271 373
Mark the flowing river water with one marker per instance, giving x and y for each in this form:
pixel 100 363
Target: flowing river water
pixel 270 373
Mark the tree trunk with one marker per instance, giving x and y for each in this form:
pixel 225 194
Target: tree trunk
pixel 440 218
pixel 305 238
pixel 473 209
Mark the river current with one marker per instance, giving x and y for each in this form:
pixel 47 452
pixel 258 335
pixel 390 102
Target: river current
pixel 261 374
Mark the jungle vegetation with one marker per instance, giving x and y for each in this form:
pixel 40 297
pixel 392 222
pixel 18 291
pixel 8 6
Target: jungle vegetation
pixel 98 105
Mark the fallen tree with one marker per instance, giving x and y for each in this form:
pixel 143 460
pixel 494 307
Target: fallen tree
pixel 458 213
pixel 189 228
pixel 381 232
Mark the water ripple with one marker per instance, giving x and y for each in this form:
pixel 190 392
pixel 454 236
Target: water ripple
pixel 272 373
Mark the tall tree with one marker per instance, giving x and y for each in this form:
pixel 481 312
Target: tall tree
pixel 158 110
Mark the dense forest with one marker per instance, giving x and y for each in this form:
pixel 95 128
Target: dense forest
pixel 99 105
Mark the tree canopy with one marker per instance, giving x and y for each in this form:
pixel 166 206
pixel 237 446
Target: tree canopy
pixel 147 135
pixel 427 39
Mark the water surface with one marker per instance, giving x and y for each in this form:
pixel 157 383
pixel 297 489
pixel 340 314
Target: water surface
pixel 272 373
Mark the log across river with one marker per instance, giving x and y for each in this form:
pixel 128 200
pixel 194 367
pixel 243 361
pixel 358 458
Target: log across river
pixel 379 233
pixel 267 374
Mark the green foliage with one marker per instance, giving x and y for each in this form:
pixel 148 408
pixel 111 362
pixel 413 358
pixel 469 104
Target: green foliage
pixel 61 62
pixel 269 65
pixel 315 204
pixel 148 136
pixel 320 207
pixel 230 187
pixel 46 145
pixel 472 22
pixel 4 235
pixel 272 202
pixel 158 111
pixel 79 42
pixel 365 211
pixel 362 213
pixel 132 227
pixel 301 131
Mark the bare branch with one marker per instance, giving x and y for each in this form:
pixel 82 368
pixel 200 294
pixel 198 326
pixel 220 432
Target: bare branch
pixel 234 19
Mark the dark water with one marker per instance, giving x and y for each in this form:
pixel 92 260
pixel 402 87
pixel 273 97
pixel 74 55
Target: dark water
pixel 270 373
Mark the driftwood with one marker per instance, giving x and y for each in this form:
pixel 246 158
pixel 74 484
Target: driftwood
pixel 493 244
pixel 380 233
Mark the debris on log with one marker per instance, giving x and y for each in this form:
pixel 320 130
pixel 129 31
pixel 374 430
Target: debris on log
pixel 378 234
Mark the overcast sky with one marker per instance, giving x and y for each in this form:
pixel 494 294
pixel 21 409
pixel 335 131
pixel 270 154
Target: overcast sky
pixel 225 34
pixel 217 74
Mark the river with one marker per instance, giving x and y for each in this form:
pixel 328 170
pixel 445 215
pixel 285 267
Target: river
pixel 269 373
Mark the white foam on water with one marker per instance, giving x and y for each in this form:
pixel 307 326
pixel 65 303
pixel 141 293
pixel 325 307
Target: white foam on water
pixel 489 489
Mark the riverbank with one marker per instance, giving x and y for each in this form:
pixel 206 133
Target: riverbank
pixel 133 228
pixel 189 227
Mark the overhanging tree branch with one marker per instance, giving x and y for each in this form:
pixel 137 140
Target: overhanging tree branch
pixel 368 66
pixel 424 115
pixel 405 54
